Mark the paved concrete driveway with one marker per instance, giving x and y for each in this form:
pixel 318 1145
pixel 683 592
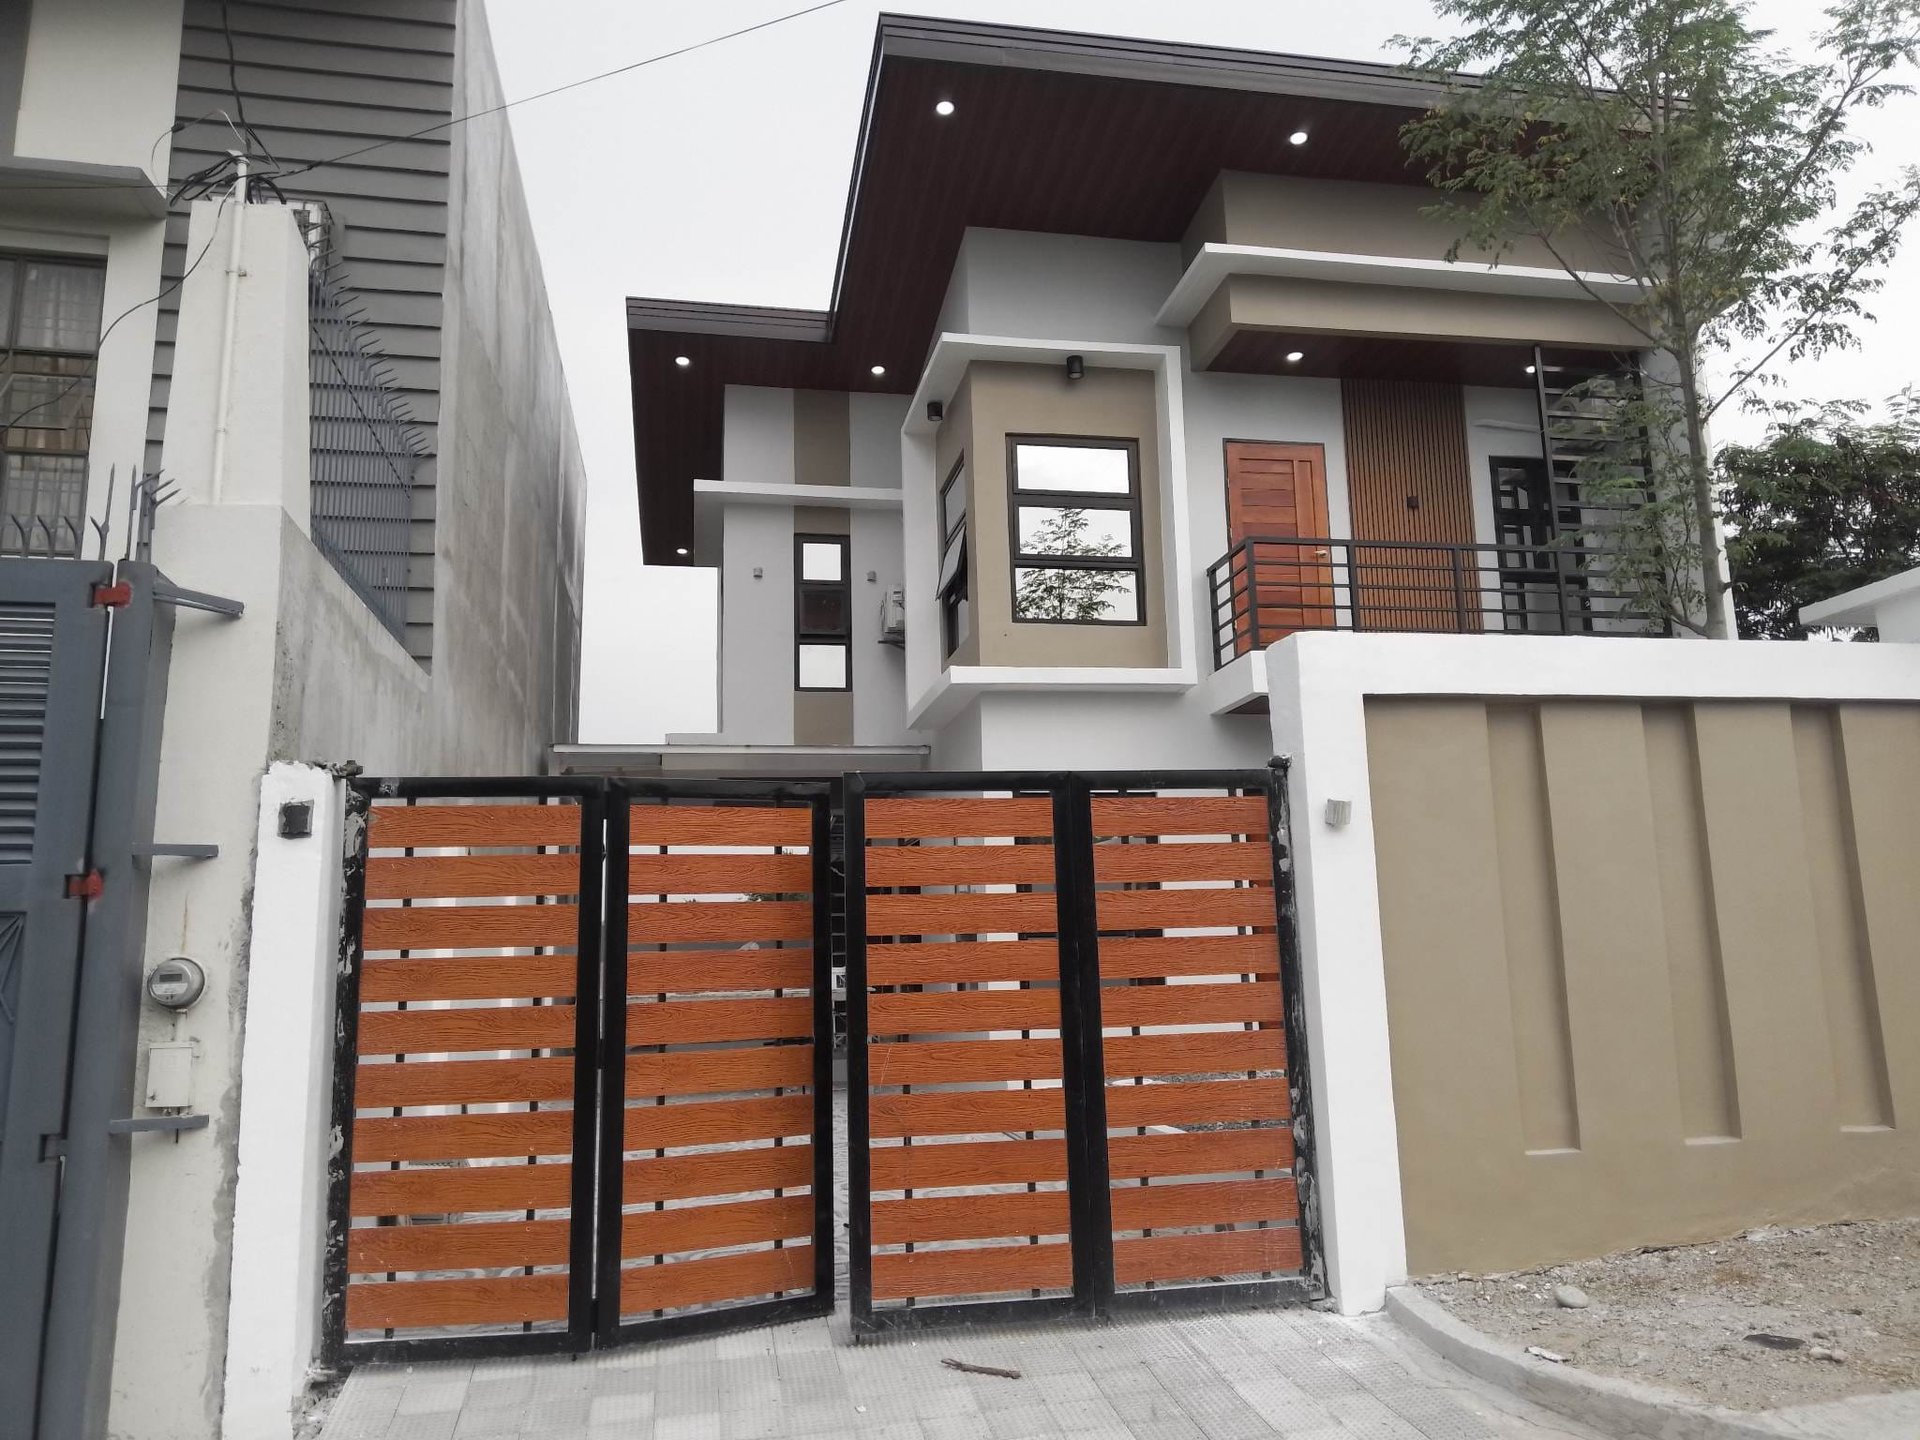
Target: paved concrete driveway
pixel 1240 1377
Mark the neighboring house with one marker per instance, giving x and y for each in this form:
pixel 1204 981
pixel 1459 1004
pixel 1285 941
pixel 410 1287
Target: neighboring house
pixel 315 422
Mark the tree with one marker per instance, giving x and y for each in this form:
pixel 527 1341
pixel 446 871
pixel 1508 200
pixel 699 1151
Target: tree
pixel 1707 166
pixel 1825 503
pixel 1044 593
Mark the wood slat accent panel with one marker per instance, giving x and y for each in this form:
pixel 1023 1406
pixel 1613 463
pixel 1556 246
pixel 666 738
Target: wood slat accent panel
pixel 461 1082
pixel 787 826
pixel 957 1012
pixel 1255 1000
pixel 412 1304
pixel 717 1122
pixel 1218 860
pixel 982 1270
pixel 691 972
pixel 1115 815
pixel 680 1283
pixel 1196 1054
pixel 953 1062
pixel 1021 817
pixel 956 962
pixel 1198 1102
pixel 689 1022
pixel 719 920
pixel 458 927
pixel 712 1227
pixel 1143 957
pixel 960 865
pixel 1216 1152
pixel 393 827
pixel 462 1137
pixel 488 1245
pixel 505 977
pixel 1177 909
pixel 960 914
pixel 1194 1257
pixel 986 1162
pixel 721 1172
pixel 970 1217
pixel 719 874
pixel 471 876
pixel 1229 1202
pixel 765 1067
pixel 479 1027
pixel 462 1190
pixel 967 1112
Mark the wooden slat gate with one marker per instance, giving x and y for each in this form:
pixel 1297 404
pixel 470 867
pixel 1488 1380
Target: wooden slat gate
pixel 1076 1072
pixel 578 1094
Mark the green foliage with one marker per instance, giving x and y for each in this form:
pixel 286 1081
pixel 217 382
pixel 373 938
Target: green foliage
pixel 1824 504
pixel 1048 594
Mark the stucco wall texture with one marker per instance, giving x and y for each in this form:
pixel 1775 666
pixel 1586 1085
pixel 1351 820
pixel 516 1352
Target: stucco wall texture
pixel 1653 970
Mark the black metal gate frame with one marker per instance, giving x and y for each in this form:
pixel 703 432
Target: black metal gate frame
pixel 1083 1077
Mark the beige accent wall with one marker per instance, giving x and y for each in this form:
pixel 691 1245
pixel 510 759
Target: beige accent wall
pixel 822 445
pixel 1653 970
pixel 823 717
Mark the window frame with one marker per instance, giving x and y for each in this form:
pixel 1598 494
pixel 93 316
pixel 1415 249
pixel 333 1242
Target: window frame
pixel 802 588
pixel 87 376
pixel 957 591
pixel 1130 502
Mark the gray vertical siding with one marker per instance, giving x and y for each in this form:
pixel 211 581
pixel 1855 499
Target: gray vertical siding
pixel 319 80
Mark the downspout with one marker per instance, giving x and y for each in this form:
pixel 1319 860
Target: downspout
pixel 229 332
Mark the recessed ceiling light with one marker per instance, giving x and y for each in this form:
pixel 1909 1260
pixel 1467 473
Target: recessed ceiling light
pixel 1294 357
pixel 683 361
pixel 680 550
pixel 944 107
pixel 879 370
pixel 1531 370
pixel 1298 137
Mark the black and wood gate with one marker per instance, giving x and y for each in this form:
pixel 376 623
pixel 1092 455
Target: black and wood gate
pixel 1076 1079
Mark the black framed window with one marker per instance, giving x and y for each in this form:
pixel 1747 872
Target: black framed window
pixel 956 616
pixel 49 339
pixel 1077 545
pixel 822 613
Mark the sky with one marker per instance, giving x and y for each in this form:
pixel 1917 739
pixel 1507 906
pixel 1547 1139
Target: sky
pixel 722 175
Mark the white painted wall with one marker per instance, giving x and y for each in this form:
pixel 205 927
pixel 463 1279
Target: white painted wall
pixel 1046 287
pixel 1499 422
pixel 99 82
pixel 879 671
pixel 756 620
pixel 756 436
pixel 873 439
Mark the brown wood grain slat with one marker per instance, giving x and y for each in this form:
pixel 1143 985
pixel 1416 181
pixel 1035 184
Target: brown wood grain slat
pixel 1211 1152
pixel 461 1189
pixel 970 1217
pixel 1202 1054
pixel 719 920
pixel 966 1112
pixel 953 1062
pixel 693 972
pixel 787 826
pixel 470 977
pixel 1246 1000
pixel 412 1304
pixel 1115 815
pixel 680 1283
pixel 980 1270
pixel 960 914
pixel 460 927
pixel 1229 1202
pixel 1198 1102
pixel 1218 860
pixel 1021 816
pixel 475 1027
pixel 960 865
pixel 1193 1257
pixel 1141 957
pixel 717 1122
pixel 960 961
pixel 688 1022
pixel 759 1067
pixel 956 1012
pixel 462 1137
pixel 720 1172
pixel 487 1245
pixel 713 1227
pixel 461 1082
pixel 681 874
pixel 393 827
pixel 471 876
pixel 984 1162
pixel 1171 909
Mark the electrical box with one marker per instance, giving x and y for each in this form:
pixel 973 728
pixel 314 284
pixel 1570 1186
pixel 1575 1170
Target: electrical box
pixel 169 1076
pixel 893 618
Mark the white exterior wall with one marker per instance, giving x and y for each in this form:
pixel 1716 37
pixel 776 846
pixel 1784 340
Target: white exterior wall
pixel 756 623
pixel 1499 422
pixel 99 82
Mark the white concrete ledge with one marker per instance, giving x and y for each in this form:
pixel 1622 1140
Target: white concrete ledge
pixel 1891 605
pixel 754 492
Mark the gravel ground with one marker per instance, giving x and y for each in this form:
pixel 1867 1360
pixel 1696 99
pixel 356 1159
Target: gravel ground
pixel 1680 1317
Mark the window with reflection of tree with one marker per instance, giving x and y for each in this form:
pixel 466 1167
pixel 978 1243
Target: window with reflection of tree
pixel 1077 552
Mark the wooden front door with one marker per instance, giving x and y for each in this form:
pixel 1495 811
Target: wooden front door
pixel 1274 492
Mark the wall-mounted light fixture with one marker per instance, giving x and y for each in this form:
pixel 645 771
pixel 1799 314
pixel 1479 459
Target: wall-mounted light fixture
pixel 936 412
pixel 1339 813
pixel 1076 368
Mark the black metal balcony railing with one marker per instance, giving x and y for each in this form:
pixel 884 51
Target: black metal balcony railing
pixel 1267 588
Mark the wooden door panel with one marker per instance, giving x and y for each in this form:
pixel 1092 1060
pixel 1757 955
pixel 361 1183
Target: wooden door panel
pixel 1275 491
